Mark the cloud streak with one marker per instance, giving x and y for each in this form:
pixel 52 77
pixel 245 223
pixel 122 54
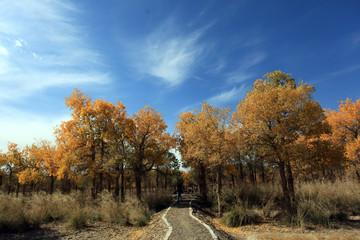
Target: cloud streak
pixel 3 51
pixel 353 40
pixel 41 46
pixel 232 95
pixel 170 56
pixel 243 72
pixel 219 100
pixel 345 71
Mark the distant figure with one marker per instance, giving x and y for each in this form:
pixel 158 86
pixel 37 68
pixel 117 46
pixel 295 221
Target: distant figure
pixel 179 191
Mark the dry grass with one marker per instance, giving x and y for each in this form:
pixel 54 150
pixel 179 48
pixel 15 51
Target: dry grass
pixel 319 203
pixel 240 216
pixel 75 210
pixel 21 214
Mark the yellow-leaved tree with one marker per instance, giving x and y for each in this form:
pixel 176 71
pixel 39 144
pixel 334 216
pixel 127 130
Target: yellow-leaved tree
pixel 88 142
pixel 273 116
pixel 185 128
pixel 117 137
pixel 345 125
pixel 32 166
pixel 76 141
pixel 202 134
pixel 149 142
pixel 13 164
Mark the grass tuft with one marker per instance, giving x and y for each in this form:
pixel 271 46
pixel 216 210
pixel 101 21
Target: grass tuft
pixel 240 216
pixel 78 219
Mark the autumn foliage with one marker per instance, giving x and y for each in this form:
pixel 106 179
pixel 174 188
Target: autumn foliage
pixel 277 126
pixel 277 133
pixel 345 125
pixel 100 142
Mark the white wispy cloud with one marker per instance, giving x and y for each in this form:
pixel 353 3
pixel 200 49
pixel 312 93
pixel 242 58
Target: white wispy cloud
pixel 3 51
pixel 243 71
pixel 220 99
pixel 41 46
pixel 253 39
pixel 18 43
pixel 191 108
pixel 217 67
pixel 239 75
pixel 353 40
pixel 235 94
pixel 345 70
pixel 49 79
pixel 169 55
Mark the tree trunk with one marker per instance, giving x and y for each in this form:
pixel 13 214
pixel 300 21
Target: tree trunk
pixel 358 174
pixel 284 186
pixel 17 189
pixel 263 172
pixel 101 174
pixel 157 179
pixel 10 178
pixel 255 178
pixel 101 177
pixel 117 187
pixel 63 185
pixel 109 183
pixel 1 179
pixel 165 180
pixel 122 197
pixel 241 172
pixel 148 177
pixel 287 184
pixel 323 172
pixel 24 189
pixel 252 172
pixel 219 189
pixel 68 186
pixel 332 175
pixel 202 183
pixel 138 183
pixel 291 187
pixel 51 184
pixel 233 180
pixel 93 188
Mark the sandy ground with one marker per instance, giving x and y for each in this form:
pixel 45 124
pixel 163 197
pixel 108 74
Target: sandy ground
pixel 271 230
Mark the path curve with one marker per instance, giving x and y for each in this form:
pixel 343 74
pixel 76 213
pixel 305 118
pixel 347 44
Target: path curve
pixel 183 225
pixel 168 233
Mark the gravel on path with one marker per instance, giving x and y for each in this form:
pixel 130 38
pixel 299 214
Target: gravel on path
pixel 183 225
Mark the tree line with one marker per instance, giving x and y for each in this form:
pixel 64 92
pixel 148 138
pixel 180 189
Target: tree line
pixel 278 128
pixel 100 142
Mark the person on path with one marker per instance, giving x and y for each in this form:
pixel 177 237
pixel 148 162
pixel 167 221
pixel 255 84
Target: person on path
pixel 179 190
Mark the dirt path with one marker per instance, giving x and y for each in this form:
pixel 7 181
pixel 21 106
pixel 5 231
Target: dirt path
pixel 183 225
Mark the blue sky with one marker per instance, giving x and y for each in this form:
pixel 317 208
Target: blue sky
pixel 171 55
